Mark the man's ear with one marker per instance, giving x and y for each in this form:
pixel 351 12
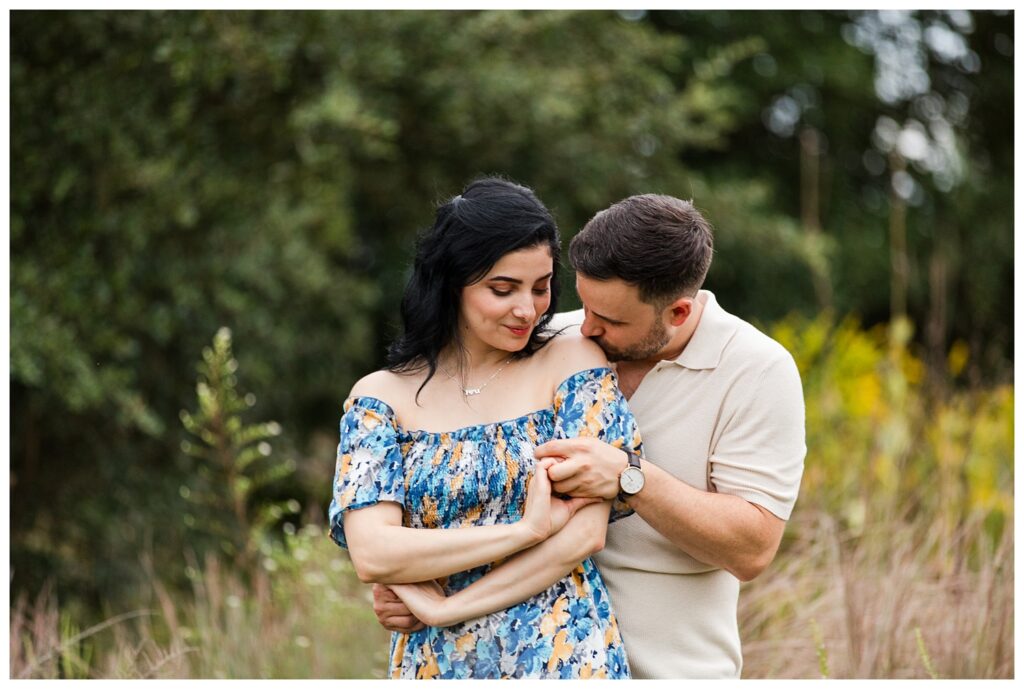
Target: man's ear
pixel 679 310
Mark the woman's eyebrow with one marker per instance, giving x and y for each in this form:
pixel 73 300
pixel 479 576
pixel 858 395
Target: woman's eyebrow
pixel 517 281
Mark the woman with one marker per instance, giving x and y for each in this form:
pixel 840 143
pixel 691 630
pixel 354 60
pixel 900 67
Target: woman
pixel 436 479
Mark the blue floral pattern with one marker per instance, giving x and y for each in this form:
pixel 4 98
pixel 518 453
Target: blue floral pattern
pixel 476 476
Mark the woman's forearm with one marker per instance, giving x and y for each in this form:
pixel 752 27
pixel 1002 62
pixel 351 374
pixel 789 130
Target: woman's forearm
pixel 531 571
pixel 387 553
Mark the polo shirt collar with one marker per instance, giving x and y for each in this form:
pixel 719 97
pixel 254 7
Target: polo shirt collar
pixel 715 329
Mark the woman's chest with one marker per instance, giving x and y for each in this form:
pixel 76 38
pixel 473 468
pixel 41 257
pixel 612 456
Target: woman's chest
pixel 470 477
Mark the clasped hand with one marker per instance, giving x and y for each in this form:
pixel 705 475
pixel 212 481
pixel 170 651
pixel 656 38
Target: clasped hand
pixel 583 467
pixel 545 514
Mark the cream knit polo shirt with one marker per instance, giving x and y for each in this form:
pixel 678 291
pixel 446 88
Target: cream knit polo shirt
pixel 727 415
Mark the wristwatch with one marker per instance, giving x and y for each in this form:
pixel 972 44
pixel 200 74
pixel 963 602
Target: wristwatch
pixel 631 480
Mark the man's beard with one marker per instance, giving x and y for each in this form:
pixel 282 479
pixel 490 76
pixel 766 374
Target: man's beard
pixel 652 343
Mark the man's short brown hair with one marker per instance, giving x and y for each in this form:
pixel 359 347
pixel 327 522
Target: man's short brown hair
pixel 658 243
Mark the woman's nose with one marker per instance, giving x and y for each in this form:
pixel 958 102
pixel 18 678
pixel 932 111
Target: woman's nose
pixel 524 309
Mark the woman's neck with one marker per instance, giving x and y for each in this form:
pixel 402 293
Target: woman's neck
pixel 469 360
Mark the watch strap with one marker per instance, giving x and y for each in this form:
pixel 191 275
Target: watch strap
pixel 634 459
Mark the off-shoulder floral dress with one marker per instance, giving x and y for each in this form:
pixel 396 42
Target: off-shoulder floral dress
pixel 476 476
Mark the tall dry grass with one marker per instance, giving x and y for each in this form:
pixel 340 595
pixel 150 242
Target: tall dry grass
pixel 301 614
pixel 46 644
pixel 896 602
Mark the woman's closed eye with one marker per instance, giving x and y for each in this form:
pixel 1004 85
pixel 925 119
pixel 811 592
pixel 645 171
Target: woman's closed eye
pixel 540 292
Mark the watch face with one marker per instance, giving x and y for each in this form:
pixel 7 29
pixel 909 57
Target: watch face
pixel 631 480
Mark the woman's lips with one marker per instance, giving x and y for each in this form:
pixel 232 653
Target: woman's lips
pixel 520 331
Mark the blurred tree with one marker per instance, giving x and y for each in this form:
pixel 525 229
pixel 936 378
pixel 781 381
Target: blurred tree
pixel 177 172
pixel 162 194
pixel 883 138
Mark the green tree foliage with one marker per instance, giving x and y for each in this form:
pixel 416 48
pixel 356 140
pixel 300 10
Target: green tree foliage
pixel 161 195
pixel 267 171
pixel 176 172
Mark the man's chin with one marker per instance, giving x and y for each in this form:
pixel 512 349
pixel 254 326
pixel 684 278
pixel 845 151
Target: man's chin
pixel 618 355
pixel 613 355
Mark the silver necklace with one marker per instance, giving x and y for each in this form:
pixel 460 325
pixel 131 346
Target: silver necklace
pixel 469 392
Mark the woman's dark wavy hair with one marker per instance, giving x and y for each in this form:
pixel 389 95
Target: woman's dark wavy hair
pixel 471 232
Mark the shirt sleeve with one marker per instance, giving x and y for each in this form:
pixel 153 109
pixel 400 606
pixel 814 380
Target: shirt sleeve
pixel 589 404
pixel 760 454
pixel 369 466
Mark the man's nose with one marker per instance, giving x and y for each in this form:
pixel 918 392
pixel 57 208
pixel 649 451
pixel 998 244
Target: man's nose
pixel 590 328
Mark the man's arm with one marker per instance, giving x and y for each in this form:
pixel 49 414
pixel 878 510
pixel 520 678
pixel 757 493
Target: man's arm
pixel 756 464
pixel 718 529
pixel 715 528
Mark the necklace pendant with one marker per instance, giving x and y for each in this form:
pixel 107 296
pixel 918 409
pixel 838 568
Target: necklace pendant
pixel 469 392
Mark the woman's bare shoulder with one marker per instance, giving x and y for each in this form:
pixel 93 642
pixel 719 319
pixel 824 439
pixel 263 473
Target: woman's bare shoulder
pixel 570 352
pixel 385 385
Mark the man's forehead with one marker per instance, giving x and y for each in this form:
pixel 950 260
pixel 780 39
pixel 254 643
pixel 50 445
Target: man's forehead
pixel 612 297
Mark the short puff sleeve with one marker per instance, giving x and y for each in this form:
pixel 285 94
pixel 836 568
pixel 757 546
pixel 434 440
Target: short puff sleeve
pixel 760 453
pixel 589 404
pixel 369 466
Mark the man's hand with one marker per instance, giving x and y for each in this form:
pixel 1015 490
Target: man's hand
pixel 589 467
pixel 392 613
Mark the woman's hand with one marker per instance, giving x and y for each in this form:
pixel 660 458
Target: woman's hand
pixel 544 513
pixel 426 600
pixel 562 510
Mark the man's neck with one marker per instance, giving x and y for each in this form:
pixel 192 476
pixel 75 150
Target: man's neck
pixel 630 375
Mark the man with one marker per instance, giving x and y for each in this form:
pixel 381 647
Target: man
pixel 720 410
